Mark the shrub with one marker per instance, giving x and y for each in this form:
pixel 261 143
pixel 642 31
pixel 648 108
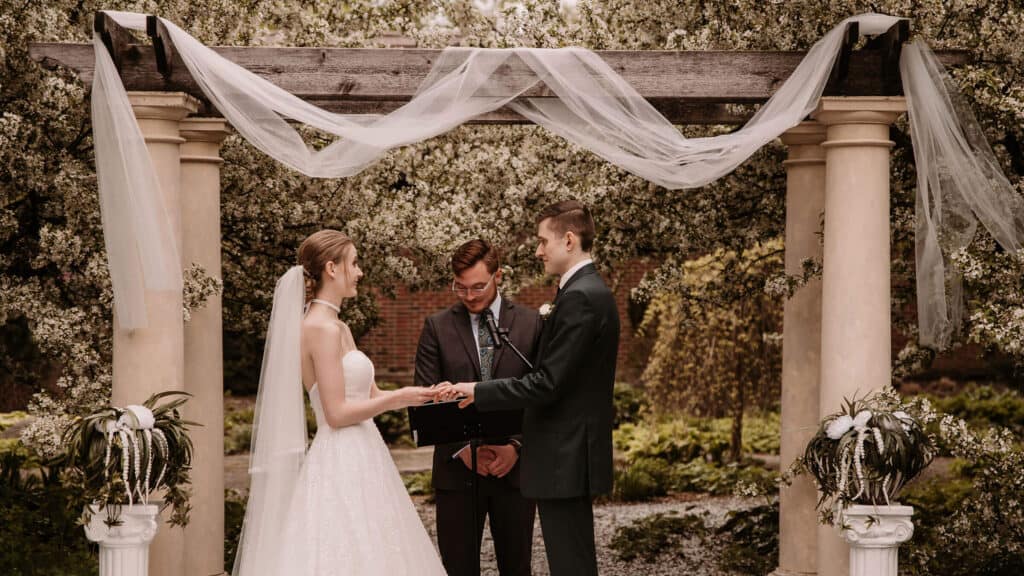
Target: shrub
pixel 683 439
pixel 238 431
pixel 720 480
pixel 656 535
pixel 629 403
pixel 751 540
pixel 234 514
pixel 419 483
pixel 643 479
pixel 39 522
pixel 985 406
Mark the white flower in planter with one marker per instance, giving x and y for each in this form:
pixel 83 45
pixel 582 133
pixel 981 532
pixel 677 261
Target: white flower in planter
pixel 839 426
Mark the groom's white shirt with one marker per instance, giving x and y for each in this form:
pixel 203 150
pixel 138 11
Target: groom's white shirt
pixel 568 273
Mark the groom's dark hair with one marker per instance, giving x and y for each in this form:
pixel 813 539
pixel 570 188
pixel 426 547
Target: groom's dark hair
pixel 571 215
pixel 467 255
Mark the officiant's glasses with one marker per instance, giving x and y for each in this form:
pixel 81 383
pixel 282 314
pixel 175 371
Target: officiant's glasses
pixel 473 290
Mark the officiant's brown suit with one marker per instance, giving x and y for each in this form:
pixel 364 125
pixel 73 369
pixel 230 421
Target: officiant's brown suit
pixel 447 351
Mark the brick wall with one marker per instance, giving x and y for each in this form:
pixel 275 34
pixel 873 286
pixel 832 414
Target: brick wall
pixel 392 344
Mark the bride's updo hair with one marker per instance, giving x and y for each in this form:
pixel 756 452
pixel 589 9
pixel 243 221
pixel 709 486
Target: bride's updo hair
pixel 316 251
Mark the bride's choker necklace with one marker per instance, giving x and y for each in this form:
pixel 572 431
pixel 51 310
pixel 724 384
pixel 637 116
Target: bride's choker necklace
pixel 326 303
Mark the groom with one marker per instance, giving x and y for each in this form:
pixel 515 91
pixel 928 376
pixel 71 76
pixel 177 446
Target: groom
pixel 567 424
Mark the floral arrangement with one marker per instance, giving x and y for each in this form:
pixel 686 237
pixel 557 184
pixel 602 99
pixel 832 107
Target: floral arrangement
pixel 117 456
pixel 867 452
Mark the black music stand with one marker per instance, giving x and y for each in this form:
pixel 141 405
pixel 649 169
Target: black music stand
pixel 445 423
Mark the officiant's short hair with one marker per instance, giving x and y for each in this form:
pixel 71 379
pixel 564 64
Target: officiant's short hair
pixel 571 215
pixel 467 255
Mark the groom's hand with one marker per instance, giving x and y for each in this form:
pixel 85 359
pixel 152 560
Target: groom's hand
pixel 466 390
pixel 447 391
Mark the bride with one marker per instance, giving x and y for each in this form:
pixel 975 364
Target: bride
pixel 341 507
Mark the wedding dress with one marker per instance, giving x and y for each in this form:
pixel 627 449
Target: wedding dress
pixel 351 513
pixel 340 507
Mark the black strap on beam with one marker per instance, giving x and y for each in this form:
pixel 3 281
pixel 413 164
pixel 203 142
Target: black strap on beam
pixel 119 41
pixel 162 45
pixel 836 85
pixel 890 44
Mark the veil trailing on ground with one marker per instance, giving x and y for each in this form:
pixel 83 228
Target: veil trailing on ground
pixel 596 109
pixel 278 434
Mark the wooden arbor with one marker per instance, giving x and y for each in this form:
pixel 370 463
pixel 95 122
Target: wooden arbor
pixel 837 338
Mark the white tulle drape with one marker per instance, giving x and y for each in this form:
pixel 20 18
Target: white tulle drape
pixel 596 109
pixel 279 432
pixel 959 185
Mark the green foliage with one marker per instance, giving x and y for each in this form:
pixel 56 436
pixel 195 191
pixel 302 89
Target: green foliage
pixel 954 535
pixel 237 430
pixel 656 535
pixel 686 455
pixel 721 480
pixel 394 424
pixel 419 483
pixel 682 438
pixel 8 419
pixel 717 332
pixel 629 403
pixel 39 522
pixel 114 460
pixel 983 406
pixel 234 514
pixel 752 540
pixel 971 525
pixel 642 479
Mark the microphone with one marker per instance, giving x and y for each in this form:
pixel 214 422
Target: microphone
pixel 488 318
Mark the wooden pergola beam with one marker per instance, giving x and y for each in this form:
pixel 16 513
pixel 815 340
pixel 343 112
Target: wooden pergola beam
pixel 699 87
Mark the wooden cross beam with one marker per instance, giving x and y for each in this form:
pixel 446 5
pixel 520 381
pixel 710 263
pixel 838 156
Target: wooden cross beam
pixel 699 87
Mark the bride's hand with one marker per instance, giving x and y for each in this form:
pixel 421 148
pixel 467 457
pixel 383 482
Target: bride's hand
pixel 413 396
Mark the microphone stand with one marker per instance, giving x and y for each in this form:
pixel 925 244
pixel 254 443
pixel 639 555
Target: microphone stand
pixel 500 336
pixel 503 335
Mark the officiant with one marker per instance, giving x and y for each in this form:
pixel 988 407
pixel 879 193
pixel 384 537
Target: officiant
pixel 455 345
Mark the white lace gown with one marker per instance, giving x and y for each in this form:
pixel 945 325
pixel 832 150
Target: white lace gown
pixel 351 514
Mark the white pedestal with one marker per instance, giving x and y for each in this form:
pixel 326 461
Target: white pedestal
pixel 124 549
pixel 875 534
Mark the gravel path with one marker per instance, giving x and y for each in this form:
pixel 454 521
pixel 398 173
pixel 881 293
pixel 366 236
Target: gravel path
pixel 607 518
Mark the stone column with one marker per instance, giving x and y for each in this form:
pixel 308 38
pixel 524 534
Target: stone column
pixel 856 347
pixel 204 370
pixel 151 359
pixel 801 345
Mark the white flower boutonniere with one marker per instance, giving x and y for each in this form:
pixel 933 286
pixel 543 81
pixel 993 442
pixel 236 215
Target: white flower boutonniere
pixel 546 309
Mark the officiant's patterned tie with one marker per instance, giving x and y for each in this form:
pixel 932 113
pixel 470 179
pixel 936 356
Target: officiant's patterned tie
pixel 486 345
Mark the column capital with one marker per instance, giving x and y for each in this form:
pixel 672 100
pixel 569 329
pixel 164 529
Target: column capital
pixel 804 141
pixel 162 105
pixel 212 130
pixel 202 139
pixel 806 133
pixel 834 110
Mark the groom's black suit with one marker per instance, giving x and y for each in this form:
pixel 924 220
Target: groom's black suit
pixel 567 423
pixel 447 351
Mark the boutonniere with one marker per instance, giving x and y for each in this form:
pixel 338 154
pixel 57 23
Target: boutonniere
pixel 546 309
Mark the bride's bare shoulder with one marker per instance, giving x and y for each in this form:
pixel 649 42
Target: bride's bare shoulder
pixel 319 329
